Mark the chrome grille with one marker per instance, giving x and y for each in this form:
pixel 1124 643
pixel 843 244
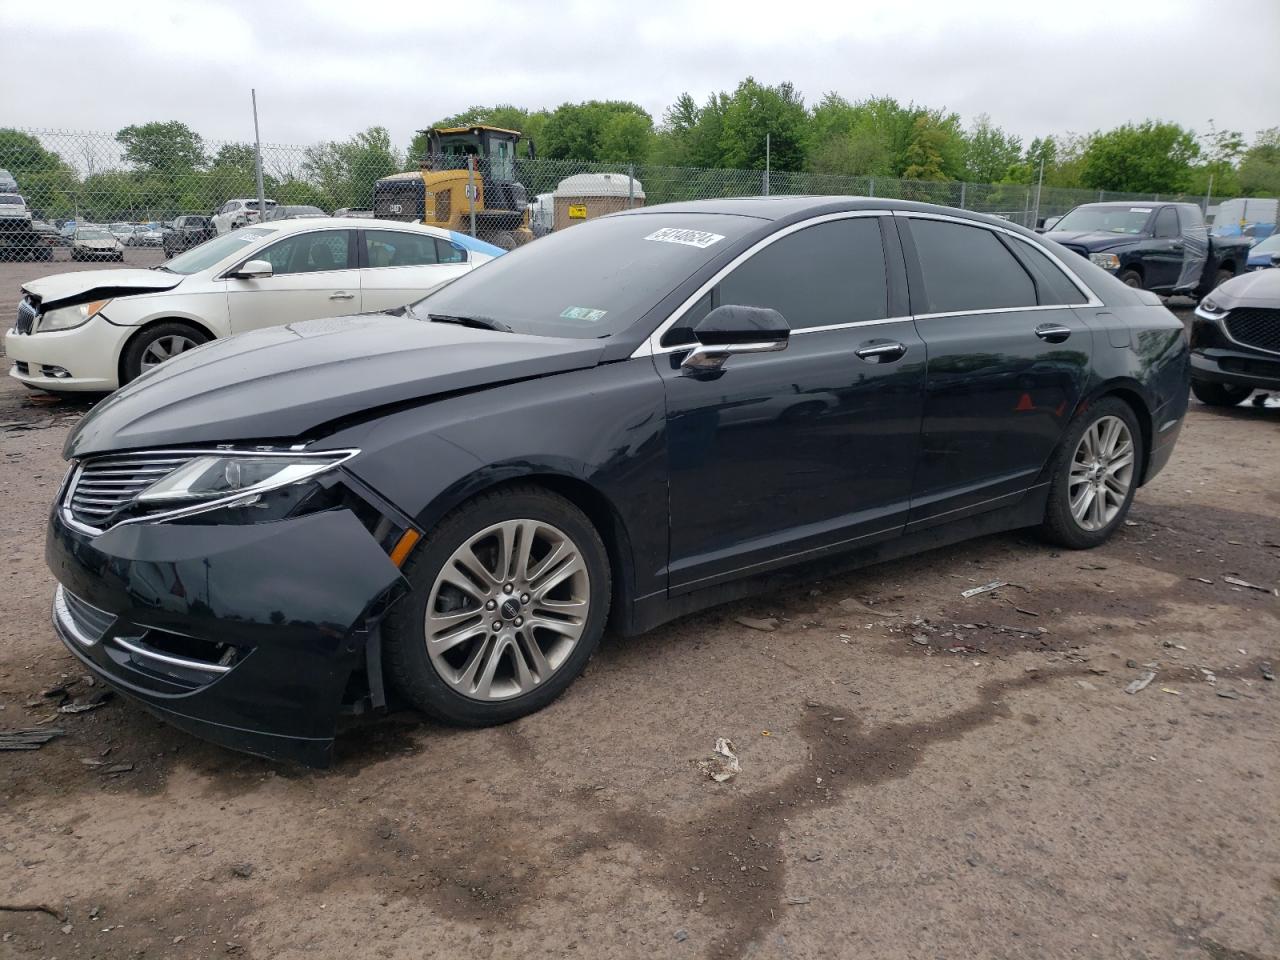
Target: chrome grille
pixel 82 620
pixel 1255 327
pixel 26 315
pixel 105 484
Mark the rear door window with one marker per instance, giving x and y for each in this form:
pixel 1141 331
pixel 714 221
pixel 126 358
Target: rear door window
pixel 395 248
pixel 968 268
pixel 1052 285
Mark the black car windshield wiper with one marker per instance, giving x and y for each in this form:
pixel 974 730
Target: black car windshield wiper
pixel 480 323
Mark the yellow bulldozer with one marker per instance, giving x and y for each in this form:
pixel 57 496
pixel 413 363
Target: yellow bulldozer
pixel 467 180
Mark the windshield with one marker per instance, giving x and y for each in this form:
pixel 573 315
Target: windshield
pixel 96 233
pixel 253 205
pixel 1123 219
pixel 11 200
pixel 590 280
pixel 212 251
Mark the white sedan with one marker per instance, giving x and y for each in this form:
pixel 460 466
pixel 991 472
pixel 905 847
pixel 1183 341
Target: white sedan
pixel 95 330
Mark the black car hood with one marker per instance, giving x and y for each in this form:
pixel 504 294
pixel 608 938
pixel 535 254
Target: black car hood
pixel 1093 241
pixel 282 382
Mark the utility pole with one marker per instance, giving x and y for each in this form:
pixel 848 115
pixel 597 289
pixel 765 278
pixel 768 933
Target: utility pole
pixel 257 159
pixel 1035 217
pixel 767 160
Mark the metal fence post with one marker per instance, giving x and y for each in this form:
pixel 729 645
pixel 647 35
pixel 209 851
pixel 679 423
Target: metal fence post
pixel 871 187
pixel 631 185
pixel 471 192
pixel 962 189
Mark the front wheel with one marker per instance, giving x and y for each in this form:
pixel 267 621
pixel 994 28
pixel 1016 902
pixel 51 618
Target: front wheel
pixel 510 595
pixel 1131 278
pixel 1095 475
pixel 154 345
pixel 1219 394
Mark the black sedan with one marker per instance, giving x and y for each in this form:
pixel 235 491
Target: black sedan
pixel 1235 339
pixel 635 418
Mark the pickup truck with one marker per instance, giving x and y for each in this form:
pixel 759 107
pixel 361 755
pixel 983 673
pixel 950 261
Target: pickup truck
pixel 186 232
pixel 1162 247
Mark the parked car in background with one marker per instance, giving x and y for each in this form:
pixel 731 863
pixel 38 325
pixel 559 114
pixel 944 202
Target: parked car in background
pixel 1235 339
pixel 95 243
pixel 18 241
pixel 147 235
pixel 464 493
pixel 47 233
pixel 8 184
pixel 94 330
pixel 293 212
pixel 354 212
pixel 186 232
pixel 1265 253
pixel 1162 247
pixel 235 214
pixel 123 232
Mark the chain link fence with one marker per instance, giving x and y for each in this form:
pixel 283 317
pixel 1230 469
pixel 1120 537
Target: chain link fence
pixel 87 196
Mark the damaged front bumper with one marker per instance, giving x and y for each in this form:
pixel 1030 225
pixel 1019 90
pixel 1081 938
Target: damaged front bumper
pixel 252 636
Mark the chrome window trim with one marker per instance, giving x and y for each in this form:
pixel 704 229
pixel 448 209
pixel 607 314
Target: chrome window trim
pixel 1092 299
pixel 64 504
pixel 652 345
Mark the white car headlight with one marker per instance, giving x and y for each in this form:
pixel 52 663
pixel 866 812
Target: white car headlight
pixel 216 477
pixel 1107 261
pixel 67 318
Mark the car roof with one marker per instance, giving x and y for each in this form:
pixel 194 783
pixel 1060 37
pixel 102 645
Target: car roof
pixel 297 224
pixel 802 207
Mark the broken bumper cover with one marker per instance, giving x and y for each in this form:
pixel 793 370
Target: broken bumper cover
pixel 245 635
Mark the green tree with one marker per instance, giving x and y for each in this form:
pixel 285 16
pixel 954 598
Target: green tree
pixel 167 147
pixel 989 152
pixel 1150 157
pixel 1260 165
pixel 625 137
pixel 345 171
pixel 505 115
pixel 575 131
pixel 848 139
pixel 690 135
pixel 754 111
pixel 22 153
pixel 924 154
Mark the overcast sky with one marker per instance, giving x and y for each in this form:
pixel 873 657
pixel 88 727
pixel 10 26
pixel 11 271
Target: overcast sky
pixel 324 70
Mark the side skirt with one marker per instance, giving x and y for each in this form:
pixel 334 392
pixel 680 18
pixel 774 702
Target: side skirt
pixel 649 612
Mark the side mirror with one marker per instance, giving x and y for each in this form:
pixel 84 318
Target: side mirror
pixel 731 329
pixel 253 270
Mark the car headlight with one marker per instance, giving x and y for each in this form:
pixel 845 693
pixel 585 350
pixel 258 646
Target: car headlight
pixel 232 478
pixel 67 318
pixel 1107 261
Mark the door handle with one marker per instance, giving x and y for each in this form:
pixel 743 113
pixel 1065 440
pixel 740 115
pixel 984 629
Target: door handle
pixel 342 295
pixel 885 351
pixel 1053 332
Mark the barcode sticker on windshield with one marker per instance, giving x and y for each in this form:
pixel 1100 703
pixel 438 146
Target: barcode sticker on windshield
pixel 1139 209
pixel 582 313
pixel 690 238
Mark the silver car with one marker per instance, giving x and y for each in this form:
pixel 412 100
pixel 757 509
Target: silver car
pixel 95 243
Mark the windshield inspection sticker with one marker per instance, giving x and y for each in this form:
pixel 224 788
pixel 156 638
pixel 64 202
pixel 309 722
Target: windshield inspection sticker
pixel 582 313
pixel 690 238
pixel 1139 209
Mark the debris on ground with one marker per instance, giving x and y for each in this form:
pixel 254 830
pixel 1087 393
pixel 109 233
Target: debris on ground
pixel 985 588
pixel 1236 581
pixel 1267 672
pixel 851 605
pixel 91 702
pixel 1200 579
pixel 1229 695
pixel 725 766
pixel 242 870
pixel 798 901
pixel 766 624
pixel 1141 682
pixel 681 936
pixel 33 908
pixel 29 739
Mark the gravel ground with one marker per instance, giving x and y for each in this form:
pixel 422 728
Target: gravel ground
pixel 923 776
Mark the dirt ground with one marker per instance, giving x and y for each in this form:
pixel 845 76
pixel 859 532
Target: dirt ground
pixel 922 775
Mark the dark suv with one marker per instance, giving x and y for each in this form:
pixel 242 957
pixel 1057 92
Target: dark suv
pixel 1235 340
pixel 186 232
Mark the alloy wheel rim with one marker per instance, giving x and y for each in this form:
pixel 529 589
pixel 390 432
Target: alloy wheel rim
pixel 507 609
pixel 1101 473
pixel 162 348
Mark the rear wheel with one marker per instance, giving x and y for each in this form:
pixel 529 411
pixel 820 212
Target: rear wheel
pixel 1095 475
pixel 154 345
pixel 1219 394
pixel 510 598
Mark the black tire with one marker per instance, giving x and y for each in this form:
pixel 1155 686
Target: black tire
pixel 1131 278
pixel 1221 277
pixel 1059 525
pixel 408 665
pixel 131 361
pixel 1219 394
